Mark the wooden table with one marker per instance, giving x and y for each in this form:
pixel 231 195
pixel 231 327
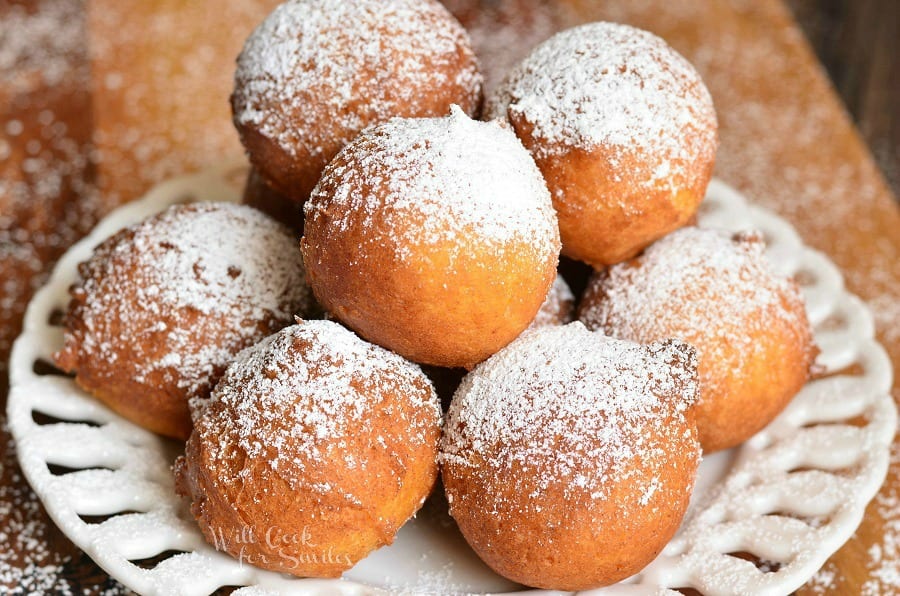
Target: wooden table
pixel 858 42
pixel 786 142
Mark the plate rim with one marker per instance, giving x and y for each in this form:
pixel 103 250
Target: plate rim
pixel 214 182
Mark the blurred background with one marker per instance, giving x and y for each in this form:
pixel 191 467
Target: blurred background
pixel 858 42
pixel 41 176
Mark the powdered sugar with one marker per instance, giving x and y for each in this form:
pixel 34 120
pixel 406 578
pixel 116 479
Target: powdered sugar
pixel 181 293
pixel 883 564
pixel 291 398
pixel 573 407
pixel 454 177
pixel 317 66
pixel 34 559
pixel 694 281
pixel 558 307
pixel 504 31
pixel 38 47
pixel 616 86
pixel 202 272
pixel 46 199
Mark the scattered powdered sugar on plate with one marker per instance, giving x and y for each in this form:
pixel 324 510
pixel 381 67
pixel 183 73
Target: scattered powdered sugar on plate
pixel 573 407
pixel 203 280
pixel 434 581
pixel 300 75
pixel 676 289
pixel 436 180
pixel 35 559
pixel 611 85
pixel 883 562
pixel 290 398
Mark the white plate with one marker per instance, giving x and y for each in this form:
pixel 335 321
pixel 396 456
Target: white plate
pixel 783 502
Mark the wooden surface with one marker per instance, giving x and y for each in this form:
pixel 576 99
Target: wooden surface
pixel 786 142
pixel 164 69
pixel 858 43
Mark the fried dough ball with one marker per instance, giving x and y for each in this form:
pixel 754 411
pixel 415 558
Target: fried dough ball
pixel 623 130
pixel 317 72
pixel 317 445
pixel 558 307
pixel 435 238
pixel 163 306
pixel 259 195
pixel 569 457
pixel 718 293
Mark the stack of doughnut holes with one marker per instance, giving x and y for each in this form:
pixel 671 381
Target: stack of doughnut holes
pixel 431 223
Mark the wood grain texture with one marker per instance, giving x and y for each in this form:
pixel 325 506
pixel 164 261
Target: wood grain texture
pixel 162 72
pixel 46 203
pixel 858 42
pixel 787 142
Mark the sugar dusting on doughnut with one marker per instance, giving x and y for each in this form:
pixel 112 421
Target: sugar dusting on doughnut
pixel 163 306
pixel 217 257
pixel 623 130
pixel 568 457
pixel 613 85
pixel 558 307
pixel 314 429
pixel 177 262
pixel 583 401
pixel 716 291
pixel 673 271
pixel 318 375
pixel 433 237
pixel 332 42
pixel 444 173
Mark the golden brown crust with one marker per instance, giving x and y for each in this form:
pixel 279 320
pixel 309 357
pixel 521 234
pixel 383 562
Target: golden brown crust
pixel 453 319
pixel 368 61
pixel 292 174
pixel 736 405
pixel 444 268
pixel 308 469
pixel 576 475
pixel 591 189
pixel 161 308
pixel 568 546
pixel 623 130
pixel 716 293
pixel 260 195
